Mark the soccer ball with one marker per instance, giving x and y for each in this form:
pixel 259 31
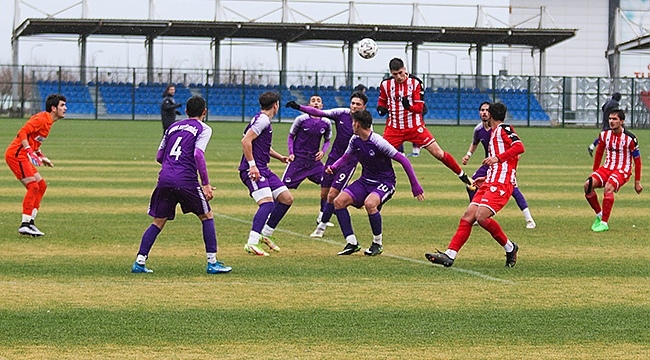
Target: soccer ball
pixel 367 48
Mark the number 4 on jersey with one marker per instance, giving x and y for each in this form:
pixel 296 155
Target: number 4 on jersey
pixel 176 149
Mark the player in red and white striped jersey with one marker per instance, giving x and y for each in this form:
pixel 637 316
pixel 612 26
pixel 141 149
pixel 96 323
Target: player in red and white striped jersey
pixel 621 149
pixel 401 97
pixel 493 194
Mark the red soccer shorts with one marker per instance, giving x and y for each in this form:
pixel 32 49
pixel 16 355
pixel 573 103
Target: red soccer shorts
pixel 616 177
pixel 493 196
pixel 419 136
pixel 21 168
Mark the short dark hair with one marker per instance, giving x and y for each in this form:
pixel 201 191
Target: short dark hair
pixel 361 96
pixel 268 99
pixel 619 112
pixel 395 64
pixel 484 103
pixel 498 111
pixel 364 118
pixel 195 106
pixel 616 96
pixel 53 100
pixel 360 88
pixel 316 96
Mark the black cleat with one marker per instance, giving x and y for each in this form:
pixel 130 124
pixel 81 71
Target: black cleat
pixel 349 249
pixel 374 250
pixel 469 182
pixel 591 151
pixel 511 257
pixel 440 258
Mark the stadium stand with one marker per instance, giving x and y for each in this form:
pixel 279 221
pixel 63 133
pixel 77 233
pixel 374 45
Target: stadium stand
pixel 229 100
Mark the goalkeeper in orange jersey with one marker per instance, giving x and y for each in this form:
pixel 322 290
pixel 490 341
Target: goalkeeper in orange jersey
pixel 24 153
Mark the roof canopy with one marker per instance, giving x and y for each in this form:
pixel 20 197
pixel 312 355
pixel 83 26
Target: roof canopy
pixel 294 32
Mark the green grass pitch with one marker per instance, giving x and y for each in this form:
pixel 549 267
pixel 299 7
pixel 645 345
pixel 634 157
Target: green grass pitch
pixel 574 294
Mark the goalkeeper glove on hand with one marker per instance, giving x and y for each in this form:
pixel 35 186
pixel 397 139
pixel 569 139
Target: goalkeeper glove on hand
pixel 47 162
pixel 382 110
pixel 406 103
pixel 32 157
pixel 292 104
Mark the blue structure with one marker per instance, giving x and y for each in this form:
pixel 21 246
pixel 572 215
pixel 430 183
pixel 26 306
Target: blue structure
pixel 241 101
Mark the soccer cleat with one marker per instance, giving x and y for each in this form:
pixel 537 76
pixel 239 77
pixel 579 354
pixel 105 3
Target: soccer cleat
pixel 268 240
pixel 413 155
pixel 511 257
pixel 602 226
pixel 591 150
pixel 468 181
pixel 137 269
pixel 27 229
pixel 329 224
pixel 349 249
pixel 34 228
pixel 374 250
pixel 596 223
pixel 253 249
pixel 318 233
pixel 530 224
pixel 440 258
pixel 218 268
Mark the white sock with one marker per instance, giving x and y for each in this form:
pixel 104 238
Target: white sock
pixel 591 146
pixel 320 216
pixel 451 253
pixel 212 258
pixel 352 240
pixel 34 213
pixel 416 150
pixel 321 226
pixel 253 238
pixel 27 218
pixel 141 259
pixel 508 246
pixel 604 222
pixel 600 215
pixel 267 231
pixel 527 215
pixel 377 239
pixel 461 173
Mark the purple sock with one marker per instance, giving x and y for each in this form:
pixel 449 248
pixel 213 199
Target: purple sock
pixel 279 210
pixel 343 216
pixel 148 238
pixel 519 198
pixel 323 202
pixel 209 235
pixel 261 216
pixel 375 223
pixel 328 211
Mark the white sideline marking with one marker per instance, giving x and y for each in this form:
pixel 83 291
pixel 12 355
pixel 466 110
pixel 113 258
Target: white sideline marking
pixel 328 241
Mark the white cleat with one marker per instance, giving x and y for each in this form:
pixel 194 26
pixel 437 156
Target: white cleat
pixel 29 229
pixel 254 250
pixel 329 224
pixel 530 224
pixel 318 233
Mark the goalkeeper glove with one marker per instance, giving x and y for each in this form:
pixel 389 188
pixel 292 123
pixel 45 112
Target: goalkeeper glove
pixel 382 110
pixel 47 162
pixel 35 160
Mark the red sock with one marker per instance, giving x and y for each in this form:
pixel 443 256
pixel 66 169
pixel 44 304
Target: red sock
pixel 461 236
pixel 592 199
pixel 30 198
pixel 608 204
pixel 495 230
pixel 451 163
pixel 42 186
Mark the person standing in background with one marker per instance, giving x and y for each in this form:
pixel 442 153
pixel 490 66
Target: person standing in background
pixel 169 107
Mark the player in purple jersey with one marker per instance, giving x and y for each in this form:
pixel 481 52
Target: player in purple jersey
pixel 303 143
pixel 482 134
pixel 266 188
pixel 181 154
pixel 376 184
pixel 332 184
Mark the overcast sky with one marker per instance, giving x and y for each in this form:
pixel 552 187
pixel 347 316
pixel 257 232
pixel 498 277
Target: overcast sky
pixel 195 53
